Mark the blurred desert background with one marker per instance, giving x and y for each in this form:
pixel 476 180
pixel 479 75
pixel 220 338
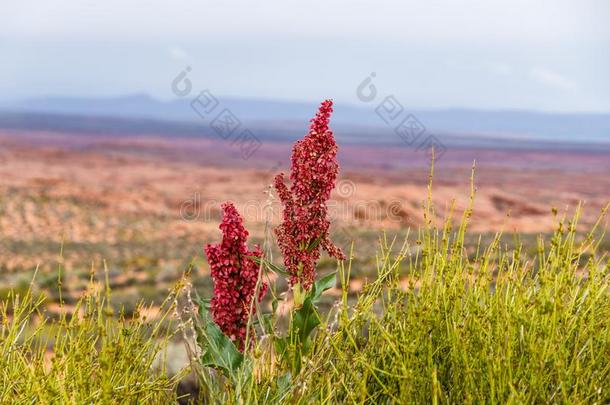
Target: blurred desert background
pixel 113 153
pixel 125 125
pixel 144 203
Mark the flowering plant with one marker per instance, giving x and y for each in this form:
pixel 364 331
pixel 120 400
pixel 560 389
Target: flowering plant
pixel 305 225
pixel 235 277
pixel 302 233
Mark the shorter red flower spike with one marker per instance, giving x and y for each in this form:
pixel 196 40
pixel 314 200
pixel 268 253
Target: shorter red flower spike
pixel 235 276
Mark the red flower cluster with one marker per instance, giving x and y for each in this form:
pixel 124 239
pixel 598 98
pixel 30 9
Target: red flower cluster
pixel 234 275
pixel 305 224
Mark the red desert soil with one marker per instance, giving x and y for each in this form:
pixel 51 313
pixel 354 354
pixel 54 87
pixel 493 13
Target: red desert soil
pixel 148 190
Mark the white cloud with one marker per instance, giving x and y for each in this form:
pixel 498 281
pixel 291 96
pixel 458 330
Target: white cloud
pixel 553 79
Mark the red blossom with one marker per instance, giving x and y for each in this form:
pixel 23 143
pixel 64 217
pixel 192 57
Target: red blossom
pixel 234 275
pixel 305 225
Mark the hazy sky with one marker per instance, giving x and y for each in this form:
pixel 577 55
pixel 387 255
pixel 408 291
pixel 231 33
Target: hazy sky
pixel 543 55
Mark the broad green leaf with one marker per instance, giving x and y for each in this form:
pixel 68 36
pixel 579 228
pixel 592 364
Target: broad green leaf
pixel 305 320
pixel 218 350
pixel 325 283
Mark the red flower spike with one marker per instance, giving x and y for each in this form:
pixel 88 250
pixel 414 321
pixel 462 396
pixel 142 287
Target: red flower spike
pixel 313 172
pixel 235 277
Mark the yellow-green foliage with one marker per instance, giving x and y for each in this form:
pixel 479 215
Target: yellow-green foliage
pixel 449 323
pixel 493 329
pixel 442 323
pixel 92 356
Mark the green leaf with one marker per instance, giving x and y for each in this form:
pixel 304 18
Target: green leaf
pixel 218 350
pixel 256 259
pixel 273 267
pixel 314 243
pixel 204 303
pixel 278 269
pixel 325 283
pixel 305 320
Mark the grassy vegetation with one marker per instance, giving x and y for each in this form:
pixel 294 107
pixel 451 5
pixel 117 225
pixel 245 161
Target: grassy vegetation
pixel 89 355
pixel 447 323
pixel 497 328
pixel 448 319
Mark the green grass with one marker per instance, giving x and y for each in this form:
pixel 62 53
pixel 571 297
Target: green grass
pixel 448 318
pixel 444 322
pixel 498 328
pixel 89 355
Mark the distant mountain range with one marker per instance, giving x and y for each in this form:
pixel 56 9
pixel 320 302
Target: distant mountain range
pixel 283 120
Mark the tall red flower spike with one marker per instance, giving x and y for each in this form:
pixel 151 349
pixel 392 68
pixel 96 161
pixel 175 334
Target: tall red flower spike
pixel 313 173
pixel 234 275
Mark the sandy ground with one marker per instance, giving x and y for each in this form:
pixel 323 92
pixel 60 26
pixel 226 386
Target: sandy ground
pixel 148 202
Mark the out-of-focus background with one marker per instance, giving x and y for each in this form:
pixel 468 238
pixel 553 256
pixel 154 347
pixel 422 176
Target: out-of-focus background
pixel 125 125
